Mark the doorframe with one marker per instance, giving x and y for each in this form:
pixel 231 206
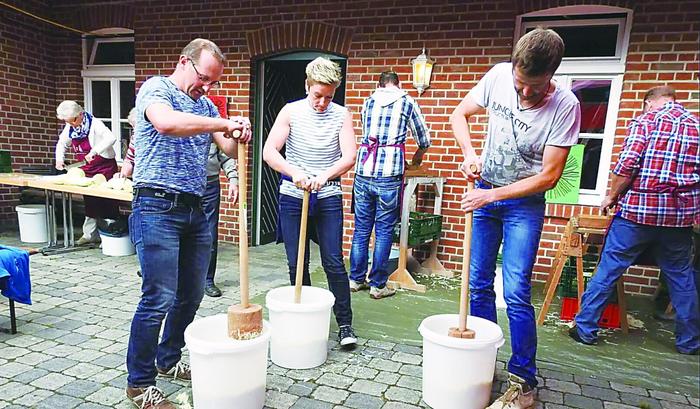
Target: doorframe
pixel 258 115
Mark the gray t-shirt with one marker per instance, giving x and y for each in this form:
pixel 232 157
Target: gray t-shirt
pixel 174 164
pixel 516 137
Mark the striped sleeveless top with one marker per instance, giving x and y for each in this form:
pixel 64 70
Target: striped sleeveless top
pixel 313 144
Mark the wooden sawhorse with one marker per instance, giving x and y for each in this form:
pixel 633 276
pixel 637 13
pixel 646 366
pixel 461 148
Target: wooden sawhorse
pixel 572 244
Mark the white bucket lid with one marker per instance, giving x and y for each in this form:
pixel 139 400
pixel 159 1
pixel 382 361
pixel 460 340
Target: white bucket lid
pixel 436 327
pixel 313 299
pixel 31 208
pixel 209 335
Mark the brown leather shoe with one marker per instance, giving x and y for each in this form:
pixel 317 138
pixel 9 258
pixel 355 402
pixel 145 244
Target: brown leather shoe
pixel 180 372
pixel 148 398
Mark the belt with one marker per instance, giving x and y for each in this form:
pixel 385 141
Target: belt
pixel 488 185
pixel 187 199
pixel 212 178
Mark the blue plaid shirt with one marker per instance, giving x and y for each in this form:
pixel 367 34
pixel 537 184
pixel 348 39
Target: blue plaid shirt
pixel 387 117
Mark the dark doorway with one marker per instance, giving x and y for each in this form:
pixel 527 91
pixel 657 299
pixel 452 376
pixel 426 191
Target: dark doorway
pixel 280 80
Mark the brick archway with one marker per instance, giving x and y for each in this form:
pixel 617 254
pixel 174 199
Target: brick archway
pixel 299 35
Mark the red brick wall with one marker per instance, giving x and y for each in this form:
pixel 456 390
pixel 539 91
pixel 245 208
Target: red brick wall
pixel 465 39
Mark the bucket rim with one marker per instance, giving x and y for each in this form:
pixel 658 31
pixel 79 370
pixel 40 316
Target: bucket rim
pixel 458 343
pixel 277 305
pixel 30 208
pixel 204 347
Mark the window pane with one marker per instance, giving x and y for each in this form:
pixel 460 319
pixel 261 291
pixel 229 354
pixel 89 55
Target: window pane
pixel 127 91
pixel 591 162
pixel 587 41
pixel 124 142
pixel 101 99
pixel 114 53
pixel 593 96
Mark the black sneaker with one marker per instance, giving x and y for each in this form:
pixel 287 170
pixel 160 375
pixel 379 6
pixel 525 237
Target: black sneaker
pixel 347 337
pixel 573 333
pixel 212 290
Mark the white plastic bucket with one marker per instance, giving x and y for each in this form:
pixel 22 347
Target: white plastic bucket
pixel 300 340
pixel 117 246
pixel 458 373
pixel 32 223
pixel 226 373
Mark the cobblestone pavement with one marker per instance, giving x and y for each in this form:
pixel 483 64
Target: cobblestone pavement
pixel 71 347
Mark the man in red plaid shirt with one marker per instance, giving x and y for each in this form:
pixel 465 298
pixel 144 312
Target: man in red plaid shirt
pixel 657 182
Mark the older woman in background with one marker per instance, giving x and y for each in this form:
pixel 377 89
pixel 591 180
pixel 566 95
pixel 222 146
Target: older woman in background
pixel 92 142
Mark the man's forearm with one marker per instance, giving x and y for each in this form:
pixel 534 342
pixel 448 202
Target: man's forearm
pixel 618 185
pixel 529 186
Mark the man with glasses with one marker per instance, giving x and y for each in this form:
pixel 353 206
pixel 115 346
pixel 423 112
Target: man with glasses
pixel 175 125
pixel 532 123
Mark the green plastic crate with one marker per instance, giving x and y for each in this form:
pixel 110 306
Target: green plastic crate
pixel 422 227
pixel 5 162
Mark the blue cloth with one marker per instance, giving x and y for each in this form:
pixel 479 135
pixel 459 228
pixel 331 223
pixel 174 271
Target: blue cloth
pixel 376 206
pixel 327 224
pixel 83 130
pixel 672 249
pixel 173 244
pixel 172 163
pixel 14 264
pixel 518 224
pixel 210 204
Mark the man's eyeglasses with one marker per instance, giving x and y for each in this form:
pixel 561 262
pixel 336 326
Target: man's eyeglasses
pixel 203 78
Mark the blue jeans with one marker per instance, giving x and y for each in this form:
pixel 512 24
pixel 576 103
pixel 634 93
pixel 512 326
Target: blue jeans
pixel 518 224
pixel 672 251
pixel 173 245
pixel 326 225
pixel 376 206
pixel 210 203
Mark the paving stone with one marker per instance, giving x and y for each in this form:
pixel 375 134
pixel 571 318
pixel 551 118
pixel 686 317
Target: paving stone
pixel 694 401
pixel 628 389
pixel 563 386
pixel 13 369
pixel 589 380
pixel 13 352
pixel 92 406
pixel 14 390
pixel 279 400
pixel 381 344
pixel 306 403
pixel 301 389
pixel 108 396
pixel 399 405
pixel 278 383
pixel 80 388
pixel 402 394
pixel 328 394
pixel 30 375
pixel 410 382
pixel 31 399
pixel 384 364
pixel 304 374
pixel 389 378
pixel 413 370
pixel 407 358
pixel 362 372
pixel 552 374
pixel 605 394
pixel 52 381
pixel 582 402
pixel 22 341
pixel 110 360
pixel 363 401
pixel 83 370
pixel 368 387
pixel 550 396
pixel 377 353
pixel 56 401
pixel 613 405
pixel 638 401
pixel 57 364
pixel 335 380
pixel 673 405
pixel 32 358
pixel 673 397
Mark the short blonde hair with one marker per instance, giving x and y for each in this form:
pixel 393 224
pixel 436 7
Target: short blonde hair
pixel 539 52
pixel 323 71
pixel 131 118
pixel 68 109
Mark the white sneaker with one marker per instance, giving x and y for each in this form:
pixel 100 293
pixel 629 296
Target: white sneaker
pixel 378 293
pixel 518 396
pixel 356 286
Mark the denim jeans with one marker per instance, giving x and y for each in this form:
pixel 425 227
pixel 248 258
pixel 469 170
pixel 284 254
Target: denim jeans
pixel 210 203
pixel 173 245
pixel 518 224
pixel 672 250
pixel 376 206
pixel 326 225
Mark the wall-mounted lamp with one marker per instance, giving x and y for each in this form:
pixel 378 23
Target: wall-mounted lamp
pixel 422 69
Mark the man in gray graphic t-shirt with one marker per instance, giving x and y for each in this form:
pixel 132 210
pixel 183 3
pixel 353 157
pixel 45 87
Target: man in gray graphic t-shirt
pixel 533 121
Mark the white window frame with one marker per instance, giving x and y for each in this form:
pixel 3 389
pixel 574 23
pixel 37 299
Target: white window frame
pixel 113 73
pixel 604 68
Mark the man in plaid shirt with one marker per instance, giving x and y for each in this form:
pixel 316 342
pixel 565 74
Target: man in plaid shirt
pixel 657 181
pixel 387 117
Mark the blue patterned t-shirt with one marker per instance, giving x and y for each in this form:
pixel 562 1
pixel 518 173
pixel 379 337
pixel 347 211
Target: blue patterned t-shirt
pixel 172 163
